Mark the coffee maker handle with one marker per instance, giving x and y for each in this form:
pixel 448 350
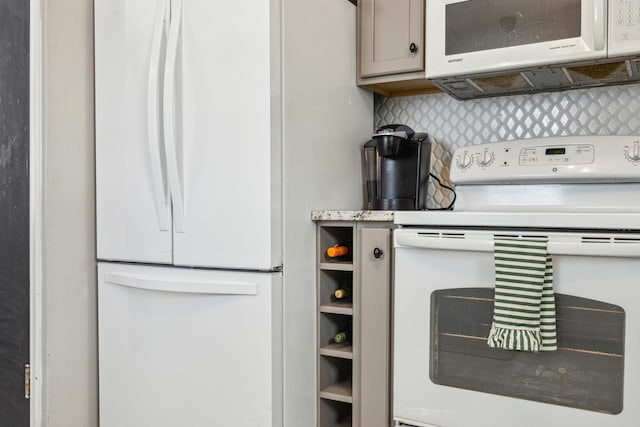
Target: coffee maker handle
pixel 398 128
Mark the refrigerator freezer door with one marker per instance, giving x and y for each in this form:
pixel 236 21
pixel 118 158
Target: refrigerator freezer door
pixel 228 143
pixel 133 209
pixel 183 347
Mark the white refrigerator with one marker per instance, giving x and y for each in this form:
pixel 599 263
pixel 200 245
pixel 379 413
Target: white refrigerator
pixel 192 207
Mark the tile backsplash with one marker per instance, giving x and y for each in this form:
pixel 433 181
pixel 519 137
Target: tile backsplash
pixel 613 110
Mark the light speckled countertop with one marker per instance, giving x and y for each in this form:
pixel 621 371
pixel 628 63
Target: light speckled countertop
pixel 332 215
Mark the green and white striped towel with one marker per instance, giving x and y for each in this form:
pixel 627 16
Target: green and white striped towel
pixel 524 316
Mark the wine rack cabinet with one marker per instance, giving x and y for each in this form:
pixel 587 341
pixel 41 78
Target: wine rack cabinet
pixel 354 377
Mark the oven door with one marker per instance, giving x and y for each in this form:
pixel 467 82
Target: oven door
pixel 446 375
pixel 473 36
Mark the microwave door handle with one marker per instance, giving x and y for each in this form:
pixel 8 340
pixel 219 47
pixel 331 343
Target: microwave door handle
pixel 153 125
pixel 161 284
pixel 170 139
pixel 599 24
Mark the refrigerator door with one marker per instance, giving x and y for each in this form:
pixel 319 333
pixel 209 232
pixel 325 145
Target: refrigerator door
pixel 227 144
pixel 183 347
pixel 133 209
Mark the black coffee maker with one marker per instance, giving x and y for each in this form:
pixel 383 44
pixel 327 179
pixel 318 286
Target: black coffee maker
pixel 397 162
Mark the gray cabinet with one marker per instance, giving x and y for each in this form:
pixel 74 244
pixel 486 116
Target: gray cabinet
pixel 392 36
pixel 354 377
pixel 391 41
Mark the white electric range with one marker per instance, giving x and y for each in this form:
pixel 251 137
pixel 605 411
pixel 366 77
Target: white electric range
pixel 583 195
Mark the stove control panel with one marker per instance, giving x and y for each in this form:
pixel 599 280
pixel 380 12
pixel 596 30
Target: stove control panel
pixel 549 160
pixel 579 154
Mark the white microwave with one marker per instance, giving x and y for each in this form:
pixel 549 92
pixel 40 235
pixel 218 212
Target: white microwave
pixel 527 46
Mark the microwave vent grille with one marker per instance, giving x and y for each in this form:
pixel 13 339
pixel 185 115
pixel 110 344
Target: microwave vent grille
pixel 588 73
pixel 515 81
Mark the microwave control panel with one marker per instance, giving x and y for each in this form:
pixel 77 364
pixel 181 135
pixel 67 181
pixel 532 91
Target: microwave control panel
pixel 624 27
pixel 555 159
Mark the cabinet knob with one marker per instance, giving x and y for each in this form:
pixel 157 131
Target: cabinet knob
pixel 413 48
pixel 377 252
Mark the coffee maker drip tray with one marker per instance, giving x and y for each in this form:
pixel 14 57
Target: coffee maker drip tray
pixel 394 204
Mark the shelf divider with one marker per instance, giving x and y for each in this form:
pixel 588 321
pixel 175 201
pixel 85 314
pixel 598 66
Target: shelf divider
pixel 337 308
pixel 340 391
pixel 337 265
pixel 343 351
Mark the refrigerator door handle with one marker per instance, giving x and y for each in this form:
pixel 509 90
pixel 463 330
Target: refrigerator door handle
pixel 158 284
pixel 170 140
pixel 153 125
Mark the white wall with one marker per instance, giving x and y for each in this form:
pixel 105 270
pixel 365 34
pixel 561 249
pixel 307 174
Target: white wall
pixel 326 120
pixel 69 277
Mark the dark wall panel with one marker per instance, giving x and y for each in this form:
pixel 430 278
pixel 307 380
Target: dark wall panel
pixel 14 210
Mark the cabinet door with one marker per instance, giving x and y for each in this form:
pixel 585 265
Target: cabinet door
pixel 374 293
pixel 391 36
pixel 227 137
pixel 132 208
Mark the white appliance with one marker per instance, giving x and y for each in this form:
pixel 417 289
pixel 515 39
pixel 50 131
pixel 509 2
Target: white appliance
pixel 490 47
pixel 579 193
pixel 192 209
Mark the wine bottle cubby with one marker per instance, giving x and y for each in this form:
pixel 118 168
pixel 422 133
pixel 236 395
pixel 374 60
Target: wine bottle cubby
pixel 354 375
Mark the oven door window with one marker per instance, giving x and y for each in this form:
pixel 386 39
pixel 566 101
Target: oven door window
pixel 479 25
pixel 586 372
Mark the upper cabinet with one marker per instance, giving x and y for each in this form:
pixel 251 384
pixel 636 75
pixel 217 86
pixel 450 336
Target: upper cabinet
pixel 391 37
pixel 391 41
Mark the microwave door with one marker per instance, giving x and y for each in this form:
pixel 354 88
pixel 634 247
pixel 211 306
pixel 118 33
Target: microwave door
pixel 481 36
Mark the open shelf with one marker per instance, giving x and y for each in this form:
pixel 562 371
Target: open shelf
pixel 335 414
pixel 331 324
pixel 336 235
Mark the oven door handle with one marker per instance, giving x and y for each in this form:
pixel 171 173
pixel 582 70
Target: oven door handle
pixel 618 250
pixel 596 249
pixel 448 244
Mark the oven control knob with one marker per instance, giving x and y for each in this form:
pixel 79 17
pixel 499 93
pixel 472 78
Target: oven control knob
pixel 464 161
pixel 633 153
pixel 486 158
